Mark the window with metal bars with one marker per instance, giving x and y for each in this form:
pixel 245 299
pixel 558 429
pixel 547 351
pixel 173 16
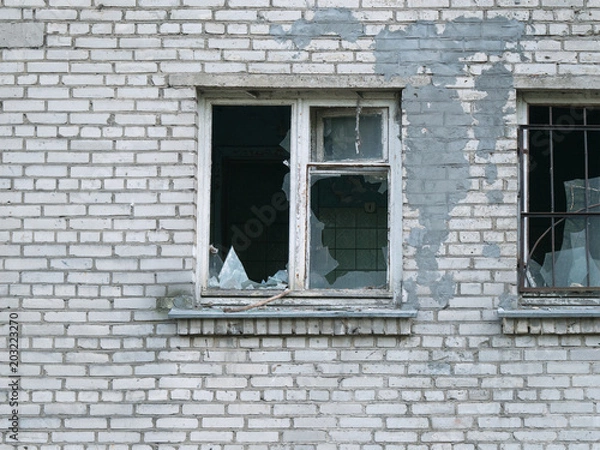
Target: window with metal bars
pixel 560 201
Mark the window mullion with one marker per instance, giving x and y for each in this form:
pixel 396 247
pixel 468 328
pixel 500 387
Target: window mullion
pixel 300 156
pixel 204 181
pixel 394 151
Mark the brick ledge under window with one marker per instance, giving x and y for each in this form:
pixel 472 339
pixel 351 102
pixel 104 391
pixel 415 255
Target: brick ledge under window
pixel 550 320
pixel 293 322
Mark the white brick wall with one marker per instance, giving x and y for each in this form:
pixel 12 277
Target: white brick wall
pixel 98 222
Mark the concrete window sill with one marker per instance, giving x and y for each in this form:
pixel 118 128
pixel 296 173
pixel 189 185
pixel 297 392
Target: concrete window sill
pixel 561 321
pixel 287 321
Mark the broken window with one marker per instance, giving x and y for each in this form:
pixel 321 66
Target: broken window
pixel 249 205
pixel 560 215
pixel 300 196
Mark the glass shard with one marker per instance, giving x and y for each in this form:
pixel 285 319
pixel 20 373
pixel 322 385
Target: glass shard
pixel 233 275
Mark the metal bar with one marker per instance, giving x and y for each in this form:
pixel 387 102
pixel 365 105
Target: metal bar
pixel 552 221
pixel 587 205
pixel 561 127
pixel 522 192
pixel 561 214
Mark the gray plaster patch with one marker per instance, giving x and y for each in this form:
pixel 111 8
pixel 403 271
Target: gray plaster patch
pixel 21 35
pixel 437 126
pixel 491 251
pixel 337 22
pixel 496 83
pixel 508 301
pixel 495 196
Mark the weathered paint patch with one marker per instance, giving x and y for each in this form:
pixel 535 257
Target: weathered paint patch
pixel 21 35
pixel 337 22
pixel 491 251
pixel 496 82
pixel 437 128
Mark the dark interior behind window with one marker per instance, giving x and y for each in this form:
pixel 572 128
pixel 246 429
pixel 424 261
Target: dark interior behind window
pixel 249 196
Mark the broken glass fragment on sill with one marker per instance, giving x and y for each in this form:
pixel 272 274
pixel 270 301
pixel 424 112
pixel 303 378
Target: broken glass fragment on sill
pixel 215 262
pixel 232 274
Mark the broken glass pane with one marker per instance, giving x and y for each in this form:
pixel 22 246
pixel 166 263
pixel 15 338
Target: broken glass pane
pixel 342 134
pixel 249 192
pixel 575 261
pixel 571 267
pixel 232 275
pixel 349 231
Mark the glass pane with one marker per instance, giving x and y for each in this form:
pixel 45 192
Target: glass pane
pixel 342 135
pixel 348 231
pixel 249 204
pixel 574 259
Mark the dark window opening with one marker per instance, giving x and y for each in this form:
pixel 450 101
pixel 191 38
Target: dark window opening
pixel 561 204
pixel 249 197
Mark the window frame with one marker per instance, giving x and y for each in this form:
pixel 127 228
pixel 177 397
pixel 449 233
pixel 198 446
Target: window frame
pixel 557 295
pixel 301 136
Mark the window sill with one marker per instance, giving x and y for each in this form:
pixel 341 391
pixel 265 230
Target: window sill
pixel 561 321
pixel 290 321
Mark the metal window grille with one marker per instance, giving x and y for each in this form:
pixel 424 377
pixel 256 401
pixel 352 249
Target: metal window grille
pixel 560 203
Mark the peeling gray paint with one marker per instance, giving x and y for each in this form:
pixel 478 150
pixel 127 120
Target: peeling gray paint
pixel 491 251
pixel 508 301
pixel 496 83
pixel 494 197
pixel 437 128
pixel 338 22
pixel 21 35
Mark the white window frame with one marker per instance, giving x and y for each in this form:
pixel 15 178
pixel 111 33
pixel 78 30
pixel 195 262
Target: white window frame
pixel 300 164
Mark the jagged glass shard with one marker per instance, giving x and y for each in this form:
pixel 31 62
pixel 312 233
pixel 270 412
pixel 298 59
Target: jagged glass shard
pixel 281 276
pixel 215 263
pixel 285 186
pixel 285 143
pixel 571 268
pixel 533 274
pixel 233 275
